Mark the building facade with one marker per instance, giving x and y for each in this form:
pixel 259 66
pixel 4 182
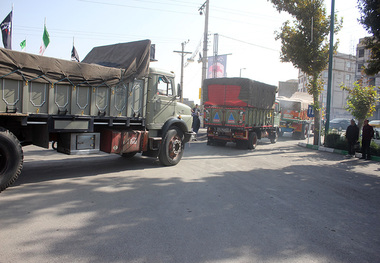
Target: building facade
pixel 343 73
pixel 362 56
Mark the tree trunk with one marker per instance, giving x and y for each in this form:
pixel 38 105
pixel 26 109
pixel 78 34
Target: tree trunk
pixel 315 93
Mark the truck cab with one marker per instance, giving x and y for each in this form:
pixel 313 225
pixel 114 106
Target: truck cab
pixel 163 103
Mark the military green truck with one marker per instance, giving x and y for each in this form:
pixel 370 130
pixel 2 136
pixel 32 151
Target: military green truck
pixel 112 102
pixel 240 110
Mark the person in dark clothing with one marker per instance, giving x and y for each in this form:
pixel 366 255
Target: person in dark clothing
pixel 196 121
pixel 352 136
pixel 367 135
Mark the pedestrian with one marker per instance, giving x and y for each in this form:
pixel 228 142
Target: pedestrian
pixel 367 135
pixel 352 136
pixel 196 121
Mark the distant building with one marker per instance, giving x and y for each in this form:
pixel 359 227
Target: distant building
pixel 343 72
pixel 362 56
pixel 346 70
pixel 287 88
pixel 188 102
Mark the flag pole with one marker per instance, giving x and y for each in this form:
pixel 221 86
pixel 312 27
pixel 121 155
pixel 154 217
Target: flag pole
pixel 11 29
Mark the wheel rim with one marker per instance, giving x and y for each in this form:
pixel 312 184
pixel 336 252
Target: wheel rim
pixel 175 147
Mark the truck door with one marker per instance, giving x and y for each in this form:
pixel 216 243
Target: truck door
pixel 164 101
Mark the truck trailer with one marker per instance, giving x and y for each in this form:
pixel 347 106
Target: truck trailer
pixel 112 101
pixel 239 110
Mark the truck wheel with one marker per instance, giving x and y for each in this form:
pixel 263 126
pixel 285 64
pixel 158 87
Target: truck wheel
pixel 11 158
pixel 252 140
pixel 172 147
pixel 274 137
pixel 305 130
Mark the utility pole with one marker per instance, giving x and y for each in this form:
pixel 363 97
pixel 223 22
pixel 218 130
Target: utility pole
pixel 183 54
pixel 214 66
pixel 204 7
pixel 328 100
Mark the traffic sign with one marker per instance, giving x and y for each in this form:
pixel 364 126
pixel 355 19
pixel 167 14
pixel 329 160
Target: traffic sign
pixel 310 111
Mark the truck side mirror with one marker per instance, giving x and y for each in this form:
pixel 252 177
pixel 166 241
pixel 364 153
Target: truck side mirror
pixel 179 91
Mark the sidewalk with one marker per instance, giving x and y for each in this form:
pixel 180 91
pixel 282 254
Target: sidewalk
pixel 332 150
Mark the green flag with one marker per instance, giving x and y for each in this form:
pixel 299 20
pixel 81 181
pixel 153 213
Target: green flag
pixel 45 41
pixel 23 44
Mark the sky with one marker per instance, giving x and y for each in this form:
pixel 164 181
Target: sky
pixel 246 30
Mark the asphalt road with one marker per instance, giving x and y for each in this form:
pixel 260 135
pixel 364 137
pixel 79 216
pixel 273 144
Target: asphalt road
pixel 278 203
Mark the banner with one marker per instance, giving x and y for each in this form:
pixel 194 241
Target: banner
pixel 6 30
pixel 217 67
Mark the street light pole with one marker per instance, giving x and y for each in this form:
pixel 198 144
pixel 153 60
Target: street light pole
pixel 329 80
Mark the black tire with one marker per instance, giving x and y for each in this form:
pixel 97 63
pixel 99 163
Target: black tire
pixel 305 130
pixel 11 158
pixel 274 137
pixel 252 140
pixel 172 147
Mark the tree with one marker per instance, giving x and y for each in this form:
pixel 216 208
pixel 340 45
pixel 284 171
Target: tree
pixel 361 101
pixel 305 43
pixel 370 19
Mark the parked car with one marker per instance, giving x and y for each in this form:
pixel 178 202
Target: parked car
pixel 340 124
pixel 375 123
pixel 376 136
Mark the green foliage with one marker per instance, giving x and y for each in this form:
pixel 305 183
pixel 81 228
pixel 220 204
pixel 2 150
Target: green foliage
pixel 361 101
pixel 331 139
pixel 370 12
pixel 305 42
pixel 375 148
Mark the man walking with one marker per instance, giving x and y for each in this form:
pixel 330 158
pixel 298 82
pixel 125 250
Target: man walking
pixel 367 135
pixel 352 136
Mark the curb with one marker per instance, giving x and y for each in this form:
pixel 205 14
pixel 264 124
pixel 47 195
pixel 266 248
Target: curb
pixel 331 150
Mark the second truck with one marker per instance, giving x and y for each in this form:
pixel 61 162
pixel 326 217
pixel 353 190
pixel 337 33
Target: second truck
pixel 294 117
pixel 240 110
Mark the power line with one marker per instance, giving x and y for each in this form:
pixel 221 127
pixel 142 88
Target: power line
pixel 248 43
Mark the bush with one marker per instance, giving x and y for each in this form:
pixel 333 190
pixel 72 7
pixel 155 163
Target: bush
pixel 331 140
pixel 336 141
pixel 375 148
pixel 341 144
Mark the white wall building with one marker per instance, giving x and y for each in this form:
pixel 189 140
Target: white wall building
pixel 343 73
pixel 362 56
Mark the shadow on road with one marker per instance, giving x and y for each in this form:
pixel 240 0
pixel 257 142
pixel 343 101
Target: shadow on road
pixel 288 216
pixel 130 214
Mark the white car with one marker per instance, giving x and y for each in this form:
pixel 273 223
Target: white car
pixel 375 123
pixel 376 136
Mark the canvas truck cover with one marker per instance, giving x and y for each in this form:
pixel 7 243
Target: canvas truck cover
pixel 25 67
pixel 133 57
pixel 110 65
pixel 238 92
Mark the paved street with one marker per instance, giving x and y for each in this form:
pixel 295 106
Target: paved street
pixel 278 203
